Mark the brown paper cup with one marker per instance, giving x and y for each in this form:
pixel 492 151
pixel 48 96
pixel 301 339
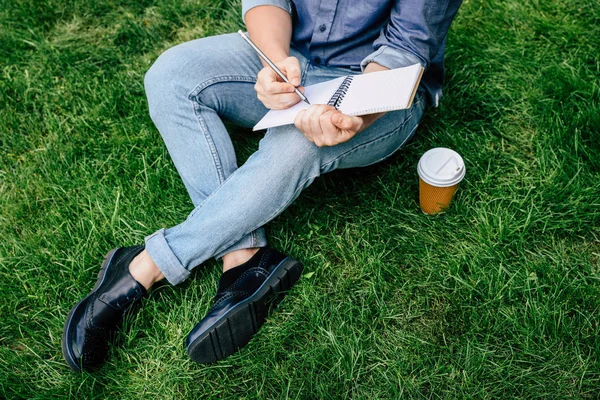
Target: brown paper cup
pixel 440 172
pixel 435 199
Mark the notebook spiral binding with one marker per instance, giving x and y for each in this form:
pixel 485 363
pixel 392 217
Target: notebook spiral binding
pixel 339 94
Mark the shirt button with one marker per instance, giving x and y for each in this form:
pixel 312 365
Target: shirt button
pixel 322 28
pixel 317 60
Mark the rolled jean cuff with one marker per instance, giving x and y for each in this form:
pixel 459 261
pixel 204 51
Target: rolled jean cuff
pixel 162 255
pixel 258 238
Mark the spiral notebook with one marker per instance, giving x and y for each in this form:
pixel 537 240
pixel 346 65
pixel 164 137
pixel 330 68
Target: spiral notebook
pixel 370 93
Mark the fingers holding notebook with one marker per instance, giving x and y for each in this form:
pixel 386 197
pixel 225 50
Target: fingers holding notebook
pixel 325 126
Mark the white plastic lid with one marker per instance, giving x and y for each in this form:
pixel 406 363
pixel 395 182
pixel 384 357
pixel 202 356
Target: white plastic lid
pixel 441 167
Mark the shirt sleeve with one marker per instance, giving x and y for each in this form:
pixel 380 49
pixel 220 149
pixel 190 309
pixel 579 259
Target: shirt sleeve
pixel 415 33
pixel 248 4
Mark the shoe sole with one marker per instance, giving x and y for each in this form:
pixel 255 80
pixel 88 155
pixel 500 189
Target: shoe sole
pixel 69 357
pixel 237 326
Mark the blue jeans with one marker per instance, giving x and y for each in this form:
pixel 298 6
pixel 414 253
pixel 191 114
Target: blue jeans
pixel 191 89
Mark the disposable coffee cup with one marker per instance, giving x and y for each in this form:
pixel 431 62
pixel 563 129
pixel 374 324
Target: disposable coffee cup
pixel 440 172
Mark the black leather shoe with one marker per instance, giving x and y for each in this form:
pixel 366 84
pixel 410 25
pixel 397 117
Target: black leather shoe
pixel 240 310
pixel 91 324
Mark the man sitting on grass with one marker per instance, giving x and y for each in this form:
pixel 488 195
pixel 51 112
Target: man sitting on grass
pixel 192 88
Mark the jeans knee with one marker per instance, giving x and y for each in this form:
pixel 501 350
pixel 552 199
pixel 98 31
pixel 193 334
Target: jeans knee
pixel 164 82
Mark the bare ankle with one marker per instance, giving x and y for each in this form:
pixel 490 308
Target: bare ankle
pixel 143 269
pixel 235 258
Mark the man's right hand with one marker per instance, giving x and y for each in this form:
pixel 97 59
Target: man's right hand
pixel 272 91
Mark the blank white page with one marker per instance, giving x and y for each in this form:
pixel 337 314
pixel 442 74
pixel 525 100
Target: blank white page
pixel 381 91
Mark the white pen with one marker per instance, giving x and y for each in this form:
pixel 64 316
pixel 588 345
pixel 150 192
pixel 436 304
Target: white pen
pixel 273 66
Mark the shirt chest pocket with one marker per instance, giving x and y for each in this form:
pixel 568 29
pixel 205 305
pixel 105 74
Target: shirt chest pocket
pixel 362 16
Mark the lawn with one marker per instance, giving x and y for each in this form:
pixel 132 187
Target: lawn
pixel 498 298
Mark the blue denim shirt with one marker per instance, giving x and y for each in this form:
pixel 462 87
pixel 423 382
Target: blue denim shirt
pixel 392 33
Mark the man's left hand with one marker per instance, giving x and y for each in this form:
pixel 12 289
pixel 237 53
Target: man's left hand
pixel 325 126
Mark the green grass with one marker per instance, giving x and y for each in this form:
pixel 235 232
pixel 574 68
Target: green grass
pixel 498 298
